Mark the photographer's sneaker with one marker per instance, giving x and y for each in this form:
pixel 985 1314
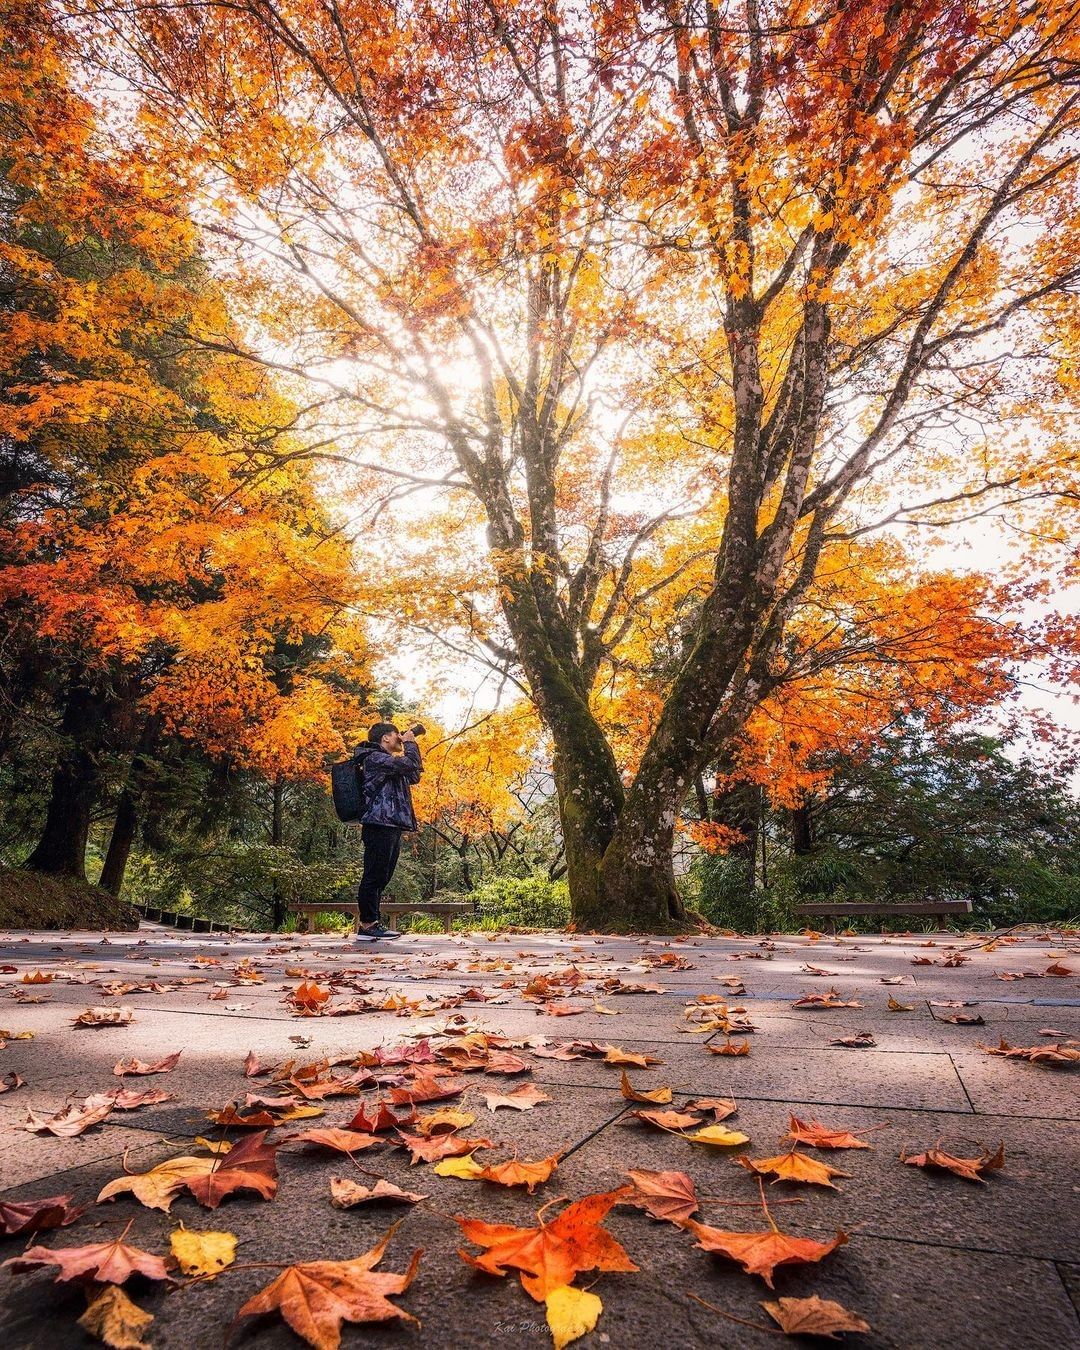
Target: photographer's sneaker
pixel 378 930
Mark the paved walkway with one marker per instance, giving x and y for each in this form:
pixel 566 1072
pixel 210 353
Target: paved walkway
pixel 932 1261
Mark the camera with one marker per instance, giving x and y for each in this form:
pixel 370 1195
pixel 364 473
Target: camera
pixel 418 728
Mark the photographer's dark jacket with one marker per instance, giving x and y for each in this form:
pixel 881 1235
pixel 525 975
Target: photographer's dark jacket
pixel 387 799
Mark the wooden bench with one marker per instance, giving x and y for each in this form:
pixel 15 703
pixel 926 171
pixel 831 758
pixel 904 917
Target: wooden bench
pixel 935 908
pixel 449 910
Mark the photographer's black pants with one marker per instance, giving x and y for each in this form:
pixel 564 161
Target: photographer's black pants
pixel 382 844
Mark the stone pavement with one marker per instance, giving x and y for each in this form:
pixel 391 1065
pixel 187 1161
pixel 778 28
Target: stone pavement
pixel 932 1260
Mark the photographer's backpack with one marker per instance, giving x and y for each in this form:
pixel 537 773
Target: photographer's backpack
pixel 347 788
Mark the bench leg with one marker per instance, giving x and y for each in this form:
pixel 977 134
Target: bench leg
pixel 448 923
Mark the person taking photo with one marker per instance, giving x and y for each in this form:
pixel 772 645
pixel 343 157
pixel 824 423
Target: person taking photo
pixel 391 764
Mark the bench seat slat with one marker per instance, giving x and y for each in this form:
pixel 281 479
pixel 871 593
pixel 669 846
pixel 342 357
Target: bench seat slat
pixel 902 907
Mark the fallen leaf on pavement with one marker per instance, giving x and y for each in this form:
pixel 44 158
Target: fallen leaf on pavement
pixel 665 1195
pixel 894 1006
pixel 793 1166
pixel 718 1137
pixel 342 1141
pixel 657 1096
pixel 34 1216
pixel 730 1047
pixel 666 1120
pixel 550 1255
pixel 71 1120
pixel 862 1040
pixel 965 1020
pixel 202 1251
pixel 516 1173
pixel 1058 971
pixel 315 1297
pixel 308 998
pixel 136 1066
pixel 113 1319
pixel 815 1134
pixel 814 1316
pixel 464 1168
pixel 104 1017
pixel 1058 1056
pixel 523 1098
pixel 125 1100
pixel 107 1262
pixel 439 1146
pixel 348 1194
pixel 445 1121
pixel 571 1313
pixel 11 1081
pixel 721 1107
pixel 760 1253
pixel 247 1166
pixel 970 1169
pixel 613 1054
pixel 830 999
pixel 374 1118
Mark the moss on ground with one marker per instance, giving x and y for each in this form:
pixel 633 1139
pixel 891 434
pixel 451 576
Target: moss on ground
pixel 32 900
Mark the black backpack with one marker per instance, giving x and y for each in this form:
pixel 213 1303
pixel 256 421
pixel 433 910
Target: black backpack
pixel 347 788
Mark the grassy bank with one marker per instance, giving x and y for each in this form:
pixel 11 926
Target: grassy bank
pixel 30 900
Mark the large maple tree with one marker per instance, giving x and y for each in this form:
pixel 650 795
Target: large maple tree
pixel 591 268
pixel 165 570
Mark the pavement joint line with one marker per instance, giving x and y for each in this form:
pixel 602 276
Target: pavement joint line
pixel 1068 1293
pixel 963 1085
pixel 955 1247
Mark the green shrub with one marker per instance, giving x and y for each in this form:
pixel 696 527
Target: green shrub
pixel 521 902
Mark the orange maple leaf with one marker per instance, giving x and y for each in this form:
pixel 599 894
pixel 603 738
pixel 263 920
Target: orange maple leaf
pixel 552 1254
pixel 315 1297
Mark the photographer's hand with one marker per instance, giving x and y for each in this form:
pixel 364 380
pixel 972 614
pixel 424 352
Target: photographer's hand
pixel 407 736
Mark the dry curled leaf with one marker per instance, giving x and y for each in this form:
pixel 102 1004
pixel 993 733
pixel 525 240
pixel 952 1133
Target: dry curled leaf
pixel 657 1096
pixel 1057 1056
pixel 815 1134
pixel 11 1081
pixel 814 1316
pixel 315 1297
pixel 862 1040
pixel 830 999
pixel 730 1047
pixel 894 1006
pixel 721 1107
pixel 348 1194
pixel 136 1066
pixel 104 1017
pixel 34 1216
pixel 72 1119
pixel 666 1120
pixel 551 1254
pixel 115 1321
pixel 971 1169
pixel 717 1137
